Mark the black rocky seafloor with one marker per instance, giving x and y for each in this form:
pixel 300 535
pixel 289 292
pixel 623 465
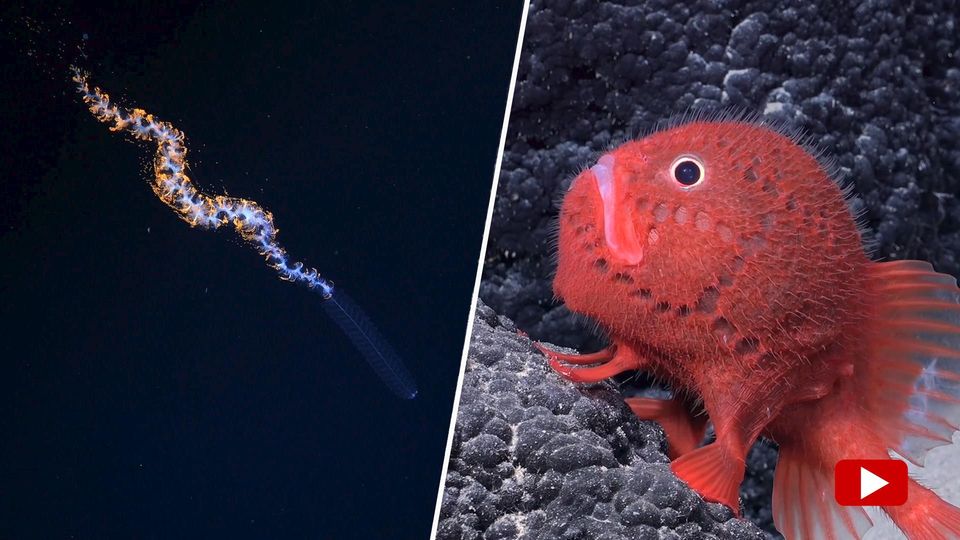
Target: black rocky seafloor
pixel 536 458
pixel 875 83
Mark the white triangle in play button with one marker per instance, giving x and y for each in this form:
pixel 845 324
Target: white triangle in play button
pixel 870 483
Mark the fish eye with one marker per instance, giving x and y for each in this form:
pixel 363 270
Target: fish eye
pixel 687 170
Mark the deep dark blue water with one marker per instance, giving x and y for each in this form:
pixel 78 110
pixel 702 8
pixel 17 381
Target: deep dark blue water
pixel 159 381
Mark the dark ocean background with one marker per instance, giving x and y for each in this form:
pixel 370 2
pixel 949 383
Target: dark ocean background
pixel 158 381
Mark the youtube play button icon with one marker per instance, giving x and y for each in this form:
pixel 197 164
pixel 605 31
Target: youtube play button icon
pixel 870 482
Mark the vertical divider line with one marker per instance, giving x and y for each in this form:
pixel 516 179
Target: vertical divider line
pixel 476 284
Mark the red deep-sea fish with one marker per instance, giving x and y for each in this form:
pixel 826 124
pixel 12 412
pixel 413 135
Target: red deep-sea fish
pixel 721 257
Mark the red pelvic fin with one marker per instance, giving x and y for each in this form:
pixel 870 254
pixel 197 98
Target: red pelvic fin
pixel 713 473
pixel 804 506
pixel 910 374
pixel 684 430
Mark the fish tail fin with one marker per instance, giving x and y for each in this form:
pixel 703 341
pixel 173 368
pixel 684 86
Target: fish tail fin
pixel 909 381
pixel 804 506
pixel 925 515
pixel 903 396
pixel 911 369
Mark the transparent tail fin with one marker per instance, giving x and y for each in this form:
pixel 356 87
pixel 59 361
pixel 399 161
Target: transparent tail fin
pixel 371 344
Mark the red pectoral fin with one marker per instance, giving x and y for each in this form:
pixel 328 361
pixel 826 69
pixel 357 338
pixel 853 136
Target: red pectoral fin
pixel 910 373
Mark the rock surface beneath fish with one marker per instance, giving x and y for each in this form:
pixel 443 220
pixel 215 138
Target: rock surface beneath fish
pixel 535 457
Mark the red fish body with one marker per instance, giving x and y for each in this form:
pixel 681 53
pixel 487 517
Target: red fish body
pixel 722 258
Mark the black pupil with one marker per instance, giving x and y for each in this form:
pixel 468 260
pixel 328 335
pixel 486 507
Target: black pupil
pixel 687 173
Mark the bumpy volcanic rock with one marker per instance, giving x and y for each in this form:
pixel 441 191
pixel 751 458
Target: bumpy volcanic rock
pixel 536 458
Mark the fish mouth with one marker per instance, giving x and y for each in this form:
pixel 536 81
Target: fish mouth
pixel 619 231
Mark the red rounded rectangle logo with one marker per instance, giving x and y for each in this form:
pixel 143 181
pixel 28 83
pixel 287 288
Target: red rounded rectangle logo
pixel 870 482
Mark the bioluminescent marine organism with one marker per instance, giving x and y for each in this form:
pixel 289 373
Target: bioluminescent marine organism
pixel 254 225
pixel 721 257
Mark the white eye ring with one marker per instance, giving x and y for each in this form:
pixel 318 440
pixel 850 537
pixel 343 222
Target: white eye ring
pixel 688 171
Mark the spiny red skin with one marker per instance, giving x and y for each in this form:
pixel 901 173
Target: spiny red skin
pixel 752 291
